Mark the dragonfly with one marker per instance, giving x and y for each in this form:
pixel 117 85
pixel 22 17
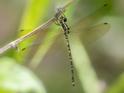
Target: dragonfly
pixel 62 21
pixel 90 34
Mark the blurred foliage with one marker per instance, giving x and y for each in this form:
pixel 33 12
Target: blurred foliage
pixel 118 86
pixel 89 20
pixel 17 79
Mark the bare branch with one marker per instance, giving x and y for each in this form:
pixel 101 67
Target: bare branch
pixel 42 27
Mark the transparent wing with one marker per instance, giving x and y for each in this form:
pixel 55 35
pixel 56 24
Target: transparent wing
pixel 93 33
pixel 88 35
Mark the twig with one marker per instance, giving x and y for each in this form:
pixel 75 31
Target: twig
pixel 42 27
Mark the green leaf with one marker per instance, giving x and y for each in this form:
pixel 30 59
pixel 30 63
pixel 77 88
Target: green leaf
pixel 33 15
pixel 17 79
pixel 85 71
pixel 117 86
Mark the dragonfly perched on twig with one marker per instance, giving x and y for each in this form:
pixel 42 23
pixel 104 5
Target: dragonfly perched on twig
pixel 89 34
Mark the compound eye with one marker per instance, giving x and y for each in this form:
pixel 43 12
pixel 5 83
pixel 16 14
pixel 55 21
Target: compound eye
pixel 65 19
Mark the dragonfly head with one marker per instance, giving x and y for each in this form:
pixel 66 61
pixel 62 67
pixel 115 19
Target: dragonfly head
pixel 65 19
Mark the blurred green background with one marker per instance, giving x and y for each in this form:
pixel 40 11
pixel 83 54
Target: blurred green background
pixel 96 41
